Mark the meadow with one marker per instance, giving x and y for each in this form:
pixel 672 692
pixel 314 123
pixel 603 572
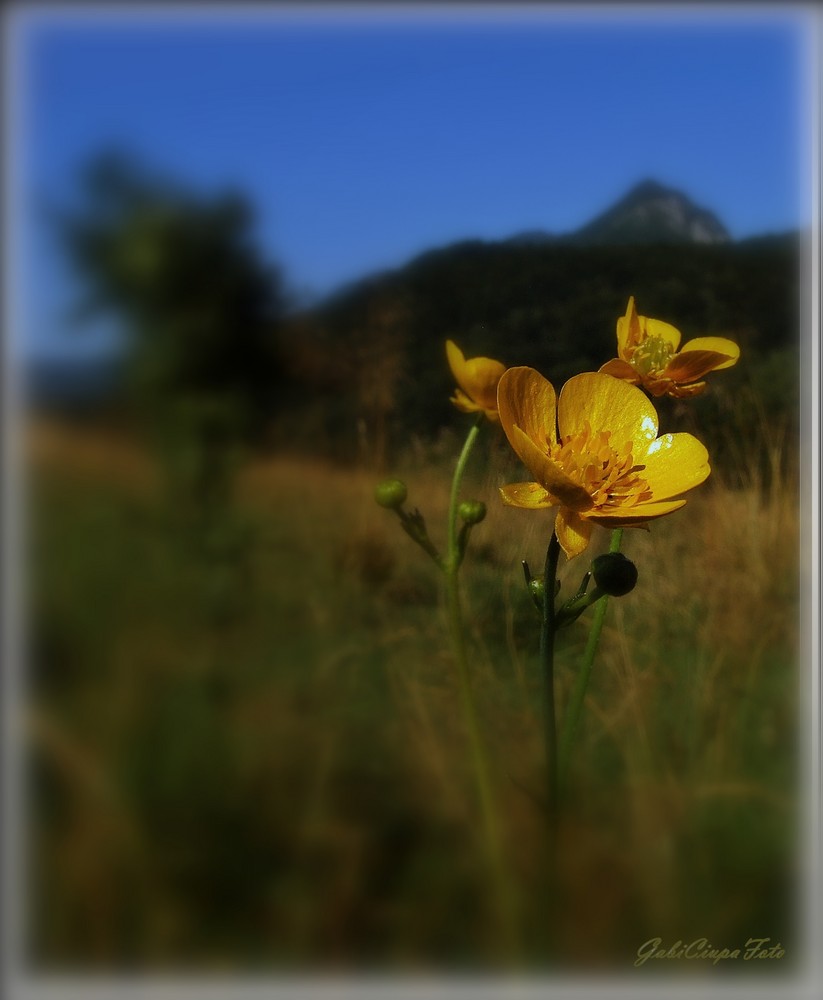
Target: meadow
pixel 246 747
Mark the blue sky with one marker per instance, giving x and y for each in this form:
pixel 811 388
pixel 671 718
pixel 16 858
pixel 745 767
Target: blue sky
pixel 365 136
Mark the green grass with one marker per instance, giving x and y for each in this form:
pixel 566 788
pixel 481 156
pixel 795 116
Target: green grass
pixel 247 751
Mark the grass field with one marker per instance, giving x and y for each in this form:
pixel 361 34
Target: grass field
pixel 247 748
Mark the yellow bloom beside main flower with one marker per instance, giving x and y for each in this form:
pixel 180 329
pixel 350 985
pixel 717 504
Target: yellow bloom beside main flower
pixel 606 466
pixel 649 356
pixel 477 379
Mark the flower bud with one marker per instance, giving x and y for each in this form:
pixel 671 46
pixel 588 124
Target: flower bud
pixel 614 574
pixel 537 588
pixel 391 494
pixel 472 511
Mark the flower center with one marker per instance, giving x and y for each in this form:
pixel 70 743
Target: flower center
pixel 652 355
pixel 607 473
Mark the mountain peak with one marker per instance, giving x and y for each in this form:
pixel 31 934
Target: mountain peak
pixel 647 189
pixel 650 212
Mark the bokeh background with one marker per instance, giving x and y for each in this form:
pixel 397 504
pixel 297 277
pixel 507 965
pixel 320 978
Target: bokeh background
pixel 241 242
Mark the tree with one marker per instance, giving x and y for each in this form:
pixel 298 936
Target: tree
pixel 199 304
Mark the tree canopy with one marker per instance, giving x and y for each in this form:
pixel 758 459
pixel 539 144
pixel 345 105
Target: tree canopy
pixel 181 271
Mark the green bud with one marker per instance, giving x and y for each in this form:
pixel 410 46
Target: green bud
pixel 537 588
pixel 391 494
pixel 472 511
pixel 614 574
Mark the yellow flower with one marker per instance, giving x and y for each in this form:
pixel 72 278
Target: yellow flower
pixel 649 356
pixel 477 379
pixel 607 466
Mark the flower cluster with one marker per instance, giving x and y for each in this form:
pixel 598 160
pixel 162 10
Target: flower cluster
pixel 595 454
pixel 594 451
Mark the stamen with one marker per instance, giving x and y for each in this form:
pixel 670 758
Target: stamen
pixel 608 474
pixel 652 355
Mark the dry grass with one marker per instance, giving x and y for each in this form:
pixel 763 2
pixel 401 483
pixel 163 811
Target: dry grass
pixel 341 725
pixel 100 454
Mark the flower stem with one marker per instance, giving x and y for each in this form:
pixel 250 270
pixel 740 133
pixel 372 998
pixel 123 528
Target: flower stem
pixel 547 632
pixel 579 693
pixel 453 555
pixel 451 569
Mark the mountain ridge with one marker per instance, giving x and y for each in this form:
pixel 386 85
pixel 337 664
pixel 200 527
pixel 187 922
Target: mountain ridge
pixel 648 213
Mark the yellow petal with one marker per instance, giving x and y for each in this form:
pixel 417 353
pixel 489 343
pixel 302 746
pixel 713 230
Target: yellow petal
pixel 477 377
pixel 572 532
pixel 481 376
pixel 457 361
pixel 608 404
pixel 673 464
pixel 527 400
pixel 629 333
pixel 618 368
pixel 721 345
pixel 656 386
pixel 548 473
pixel 529 495
pixel 463 403
pixel 689 366
pixel 687 391
pixel 657 328
pixel 625 517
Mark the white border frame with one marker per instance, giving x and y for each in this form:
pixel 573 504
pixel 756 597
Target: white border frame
pixel 26 986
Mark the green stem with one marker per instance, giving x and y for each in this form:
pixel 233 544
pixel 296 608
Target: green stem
pixel 470 717
pixel 579 693
pixel 453 555
pixel 451 569
pixel 547 633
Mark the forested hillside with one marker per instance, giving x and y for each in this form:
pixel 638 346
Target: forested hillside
pixel 370 361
